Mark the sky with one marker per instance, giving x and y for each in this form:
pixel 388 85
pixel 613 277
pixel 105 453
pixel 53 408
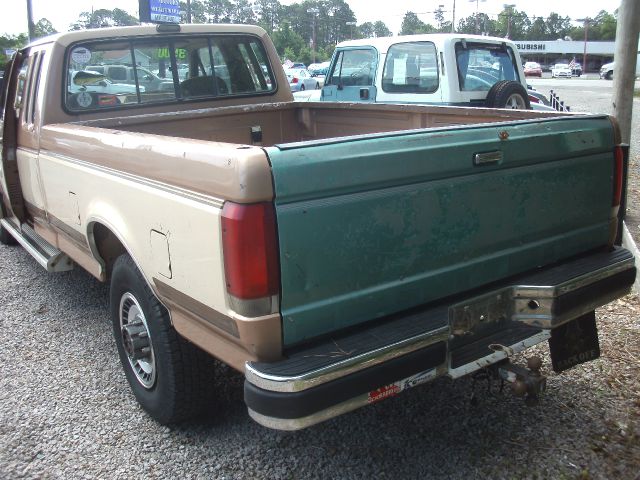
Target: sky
pixel 14 19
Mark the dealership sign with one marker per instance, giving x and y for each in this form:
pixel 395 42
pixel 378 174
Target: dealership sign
pixel 160 11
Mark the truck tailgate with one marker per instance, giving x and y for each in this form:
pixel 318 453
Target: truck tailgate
pixel 372 225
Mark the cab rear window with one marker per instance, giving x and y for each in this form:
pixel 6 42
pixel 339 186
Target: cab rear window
pixel 119 74
pixel 410 68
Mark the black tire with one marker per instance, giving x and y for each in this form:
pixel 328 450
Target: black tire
pixel 317 85
pixel 183 382
pixel 5 237
pixel 608 76
pixel 302 87
pixel 506 94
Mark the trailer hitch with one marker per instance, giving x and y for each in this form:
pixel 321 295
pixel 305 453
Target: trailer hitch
pixel 525 382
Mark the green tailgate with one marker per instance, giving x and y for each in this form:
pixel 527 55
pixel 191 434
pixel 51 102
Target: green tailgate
pixel 373 225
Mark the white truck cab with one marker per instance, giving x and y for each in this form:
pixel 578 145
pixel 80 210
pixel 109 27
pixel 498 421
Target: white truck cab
pixel 449 69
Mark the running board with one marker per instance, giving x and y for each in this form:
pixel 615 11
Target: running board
pixel 48 256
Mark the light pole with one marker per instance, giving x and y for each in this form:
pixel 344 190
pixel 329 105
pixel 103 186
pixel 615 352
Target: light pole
pixel 476 30
pixel 508 8
pixel 351 24
pixel 453 18
pixel 586 21
pixel 314 11
pixel 30 25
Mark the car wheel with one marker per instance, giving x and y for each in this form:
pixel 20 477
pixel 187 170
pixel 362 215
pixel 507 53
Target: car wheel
pixel 302 87
pixel 508 94
pixel 170 377
pixel 608 76
pixel 317 85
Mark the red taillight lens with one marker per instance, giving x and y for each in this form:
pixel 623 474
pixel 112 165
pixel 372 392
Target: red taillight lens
pixel 250 250
pixel 617 176
pixel 534 99
pixel 294 80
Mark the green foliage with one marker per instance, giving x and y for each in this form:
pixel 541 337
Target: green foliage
pixel 104 18
pixel 412 25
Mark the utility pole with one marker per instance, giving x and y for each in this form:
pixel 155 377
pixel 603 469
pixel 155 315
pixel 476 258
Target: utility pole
pixel 477 1
pixel 31 25
pixel 625 57
pixel 453 18
pixel 188 11
pixel 314 11
pixel 509 10
pixel 585 21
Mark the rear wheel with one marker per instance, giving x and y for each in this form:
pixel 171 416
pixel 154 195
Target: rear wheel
pixel 170 377
pixel 608 76
pixel 302 87
pixel 317 85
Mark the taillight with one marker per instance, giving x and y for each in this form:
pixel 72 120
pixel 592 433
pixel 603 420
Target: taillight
pixel 617 176
pixel 534 99
pixel 250 253
pixel 294 80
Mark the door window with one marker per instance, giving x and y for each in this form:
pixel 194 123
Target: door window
pixel 354 68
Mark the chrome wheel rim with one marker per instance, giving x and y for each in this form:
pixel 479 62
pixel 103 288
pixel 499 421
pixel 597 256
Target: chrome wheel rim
pixel 136 340
pixel 515 102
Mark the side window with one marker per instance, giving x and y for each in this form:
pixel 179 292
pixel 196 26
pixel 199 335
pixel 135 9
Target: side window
pixel 411 68
pixel 31 108
pixel 117 73
pixel 19 99
pixel 480 66
pixel 354 68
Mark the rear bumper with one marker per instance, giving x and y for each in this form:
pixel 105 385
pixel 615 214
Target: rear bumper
pixel 340 374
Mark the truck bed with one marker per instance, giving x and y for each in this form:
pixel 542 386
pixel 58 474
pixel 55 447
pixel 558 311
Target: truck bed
pixel 382 208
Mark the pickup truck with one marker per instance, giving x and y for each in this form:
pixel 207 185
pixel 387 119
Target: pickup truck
pixel 432 69
pixel 336 254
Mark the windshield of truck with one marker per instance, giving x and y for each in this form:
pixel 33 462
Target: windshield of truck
pixel 410 68
pixel 353 67
pixel 480 66
pixel 123 73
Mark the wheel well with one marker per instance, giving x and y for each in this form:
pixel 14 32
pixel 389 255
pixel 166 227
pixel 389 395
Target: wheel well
pixel 108 247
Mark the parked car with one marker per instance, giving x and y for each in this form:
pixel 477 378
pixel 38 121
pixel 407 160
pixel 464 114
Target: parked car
pixel 295 65
pixel 300 79
pixel 576 69
pixel 561 70
pixel 89 81
pixel 606 71
pixel 318 69
pixel 125 75
pixel 532 69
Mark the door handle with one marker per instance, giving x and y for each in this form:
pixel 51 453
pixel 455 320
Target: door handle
pixel 487 158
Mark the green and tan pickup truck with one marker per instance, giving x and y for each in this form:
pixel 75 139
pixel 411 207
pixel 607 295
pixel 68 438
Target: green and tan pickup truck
pixel 336 254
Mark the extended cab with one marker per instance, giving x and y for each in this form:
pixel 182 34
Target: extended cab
pixel 336 254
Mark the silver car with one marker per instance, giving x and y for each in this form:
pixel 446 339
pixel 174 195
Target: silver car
pixel 300 79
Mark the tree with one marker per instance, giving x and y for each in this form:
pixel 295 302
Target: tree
pixel 242 12
pixel 412 25
pixel 44 28
pixel 268 12
pixel 557 27
pixel 380 29
pixel 104 18
pixel 287 42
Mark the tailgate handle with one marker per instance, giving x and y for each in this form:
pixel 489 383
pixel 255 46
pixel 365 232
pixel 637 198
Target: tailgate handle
pixel 487 158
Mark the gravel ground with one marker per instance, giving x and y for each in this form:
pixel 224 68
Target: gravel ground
pixel 66 410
